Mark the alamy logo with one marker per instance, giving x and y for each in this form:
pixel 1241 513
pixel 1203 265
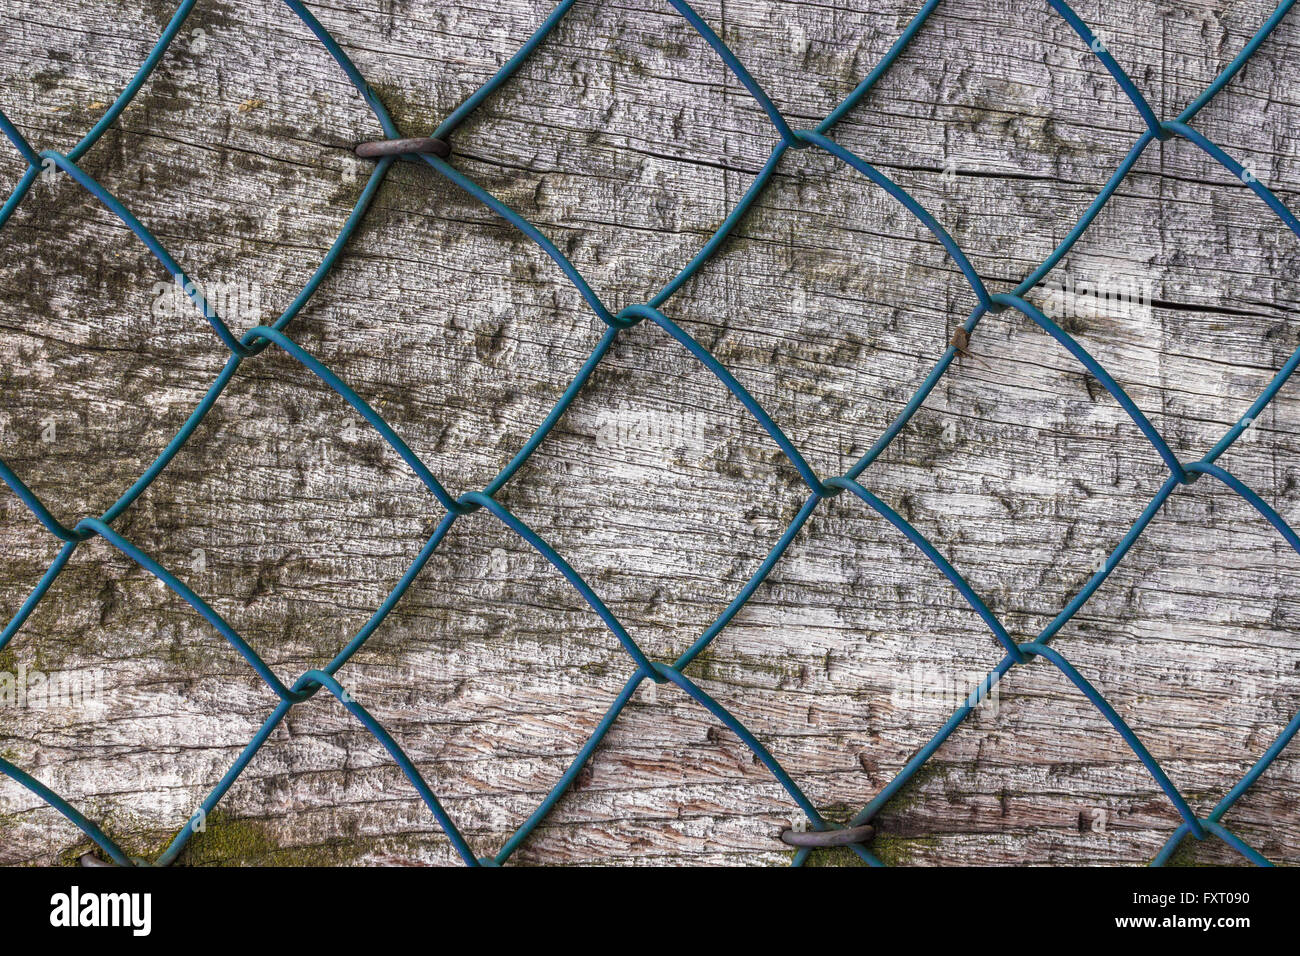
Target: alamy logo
pixel 1112 294
pixel 922 688
pixel 73 909
pixel 70 690
pixel 235 301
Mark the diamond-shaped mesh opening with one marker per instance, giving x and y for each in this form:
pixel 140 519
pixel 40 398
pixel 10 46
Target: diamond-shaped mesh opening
pixel 299 586
pixel 649 134
pixel 833 334
pixel 110 656
pixel 653 443
pixel 494 309
pixel 108 364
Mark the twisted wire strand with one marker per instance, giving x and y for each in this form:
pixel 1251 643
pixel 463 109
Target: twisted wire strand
pixel 455 507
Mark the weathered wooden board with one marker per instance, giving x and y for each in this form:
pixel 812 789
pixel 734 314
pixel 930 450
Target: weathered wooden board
pixel 626 140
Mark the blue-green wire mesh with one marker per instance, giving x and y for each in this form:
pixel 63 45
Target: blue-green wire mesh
pixel 251 343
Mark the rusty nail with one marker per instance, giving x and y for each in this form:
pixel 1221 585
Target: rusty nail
pixel 960 341
pixel 825 838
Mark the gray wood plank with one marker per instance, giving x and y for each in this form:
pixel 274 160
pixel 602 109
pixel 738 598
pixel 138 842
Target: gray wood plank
pixel 626 141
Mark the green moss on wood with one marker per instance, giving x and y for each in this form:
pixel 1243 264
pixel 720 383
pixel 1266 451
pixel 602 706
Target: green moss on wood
pixel 833 856
pixel 236 841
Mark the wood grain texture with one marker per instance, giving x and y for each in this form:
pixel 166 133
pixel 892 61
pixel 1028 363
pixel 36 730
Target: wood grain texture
pixel 626 141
